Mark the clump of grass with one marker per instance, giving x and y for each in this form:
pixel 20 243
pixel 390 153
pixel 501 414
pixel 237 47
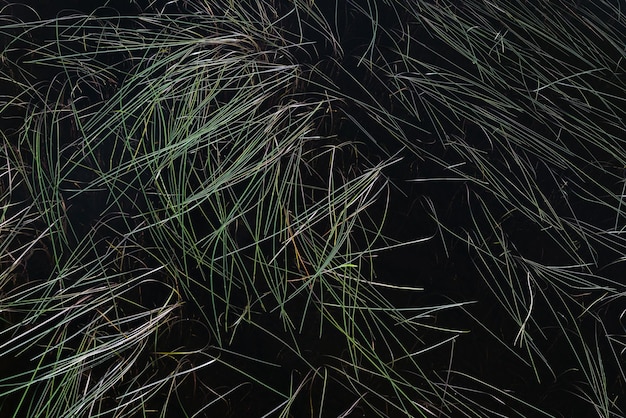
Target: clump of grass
pixel 198 202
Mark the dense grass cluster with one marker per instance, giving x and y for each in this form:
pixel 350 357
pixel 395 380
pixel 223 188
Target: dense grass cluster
pixel 301 208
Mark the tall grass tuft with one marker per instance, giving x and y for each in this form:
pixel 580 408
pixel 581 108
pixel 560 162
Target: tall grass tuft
pixel 290 208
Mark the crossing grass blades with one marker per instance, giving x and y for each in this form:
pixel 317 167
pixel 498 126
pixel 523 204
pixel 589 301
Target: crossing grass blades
pixel 300 208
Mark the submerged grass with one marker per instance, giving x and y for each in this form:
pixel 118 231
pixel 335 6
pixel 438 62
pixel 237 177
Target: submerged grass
pixel 213 209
